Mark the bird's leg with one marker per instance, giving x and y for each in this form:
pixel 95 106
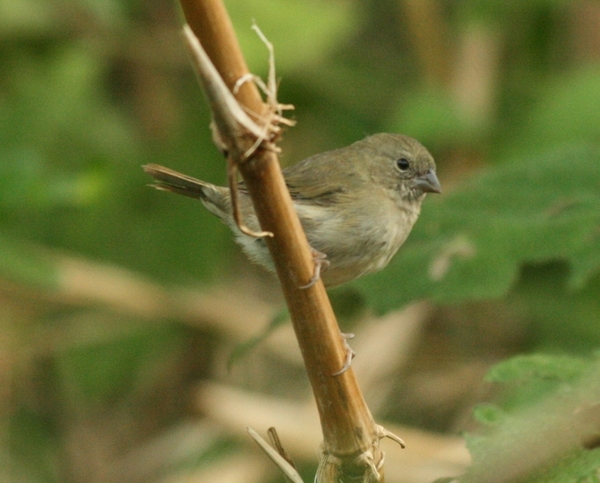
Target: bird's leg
pixel 321 263
pixel 235 203
pixel 349 354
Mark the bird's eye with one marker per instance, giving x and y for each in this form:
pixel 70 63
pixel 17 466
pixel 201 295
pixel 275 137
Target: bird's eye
pixel 403 164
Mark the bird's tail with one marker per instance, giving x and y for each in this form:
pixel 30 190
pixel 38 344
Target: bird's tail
pixel 168 180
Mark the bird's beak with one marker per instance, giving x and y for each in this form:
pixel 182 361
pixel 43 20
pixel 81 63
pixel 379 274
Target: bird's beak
pixel 428 183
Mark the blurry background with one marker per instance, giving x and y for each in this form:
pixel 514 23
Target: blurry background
pixel 133 341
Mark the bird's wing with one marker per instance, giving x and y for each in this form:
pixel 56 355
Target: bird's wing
pixel 311 181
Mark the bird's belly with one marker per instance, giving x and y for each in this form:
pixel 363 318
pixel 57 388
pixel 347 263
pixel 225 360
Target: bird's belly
pixel 354 245
pixel 355 263
pixel 361 246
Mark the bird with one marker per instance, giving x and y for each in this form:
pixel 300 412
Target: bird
pixel 357 204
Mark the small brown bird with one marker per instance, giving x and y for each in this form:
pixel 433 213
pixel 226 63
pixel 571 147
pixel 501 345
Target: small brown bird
pixel 357 204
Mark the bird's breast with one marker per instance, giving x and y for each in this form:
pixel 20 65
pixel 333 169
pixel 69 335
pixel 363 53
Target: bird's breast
pixel 356 239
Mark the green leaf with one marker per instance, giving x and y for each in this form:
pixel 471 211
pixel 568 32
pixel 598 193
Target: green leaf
pixel 525 369
pixel 488 414
pixel 561 319
pixel 579 467
pixel 527 379
pixel 471 244
pixel 544 441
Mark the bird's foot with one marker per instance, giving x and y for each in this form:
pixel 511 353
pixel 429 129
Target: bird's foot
pixel 349 354
pixel 321 264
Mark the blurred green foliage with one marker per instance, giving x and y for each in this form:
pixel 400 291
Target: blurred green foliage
pixel 92 90
pixel 547 397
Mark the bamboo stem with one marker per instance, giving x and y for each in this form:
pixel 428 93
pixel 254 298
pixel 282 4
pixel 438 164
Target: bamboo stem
pixel 351 437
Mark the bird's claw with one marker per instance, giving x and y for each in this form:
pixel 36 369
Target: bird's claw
pixel 321 263
pixel 349 354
